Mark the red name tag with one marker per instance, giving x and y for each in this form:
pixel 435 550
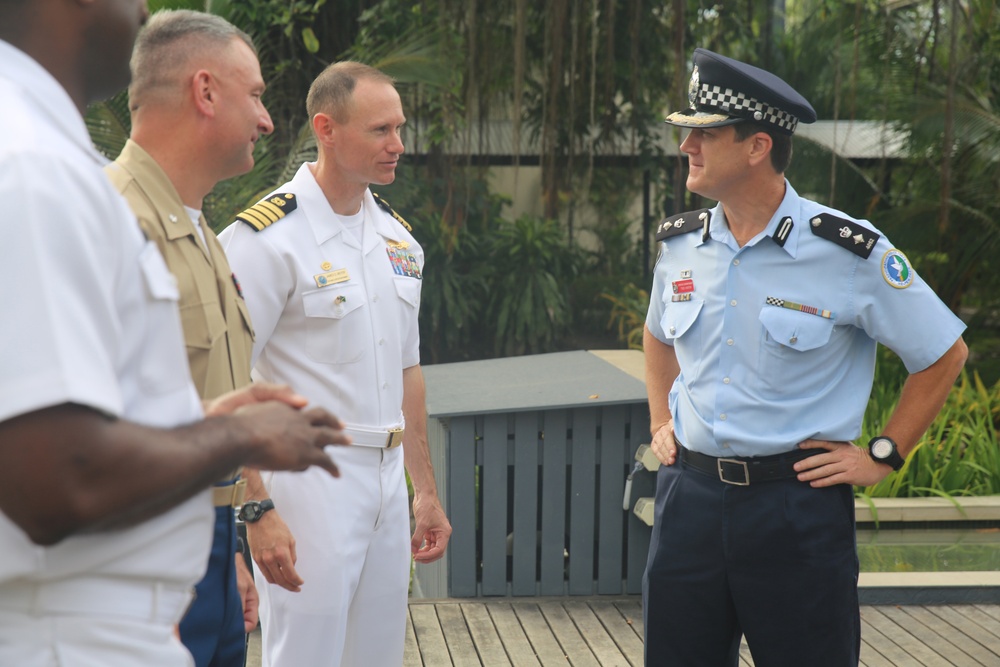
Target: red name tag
pixel 683 286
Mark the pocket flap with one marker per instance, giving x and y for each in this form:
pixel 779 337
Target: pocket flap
pixel 799 331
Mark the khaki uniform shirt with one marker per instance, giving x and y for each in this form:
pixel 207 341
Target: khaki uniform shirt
pixel 216 322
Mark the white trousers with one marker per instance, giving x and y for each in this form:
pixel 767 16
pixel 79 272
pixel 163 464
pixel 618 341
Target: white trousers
pixel 352 538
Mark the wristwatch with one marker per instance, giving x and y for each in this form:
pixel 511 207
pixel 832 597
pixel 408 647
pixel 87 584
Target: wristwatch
pixel 883 450
pixel 253 510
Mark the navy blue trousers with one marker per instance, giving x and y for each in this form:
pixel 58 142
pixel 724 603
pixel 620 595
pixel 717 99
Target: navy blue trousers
pixel 212 629
pixel 774 561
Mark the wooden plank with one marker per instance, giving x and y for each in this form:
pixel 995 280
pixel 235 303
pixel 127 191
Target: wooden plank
pixel 494 505
pixel 881 643
pixel 484 635
pixel 943 638
pixel 566 633
pixel 553 547
pixel 611 518
pixel 543 640
pixel 427 630
pixel 643 484
pixel 901 636
pixel 594 633
pixel 509 629
pixel 583 493
pixel 463 565
pixel 961 619
pixel 620 630
pixel 631 611
pixel 456 636
pixel 525 558
pixel 986 621
pixel 871 657
pixel 411 650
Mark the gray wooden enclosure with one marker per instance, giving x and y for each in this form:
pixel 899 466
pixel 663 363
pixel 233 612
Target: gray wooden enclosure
pixel 531 455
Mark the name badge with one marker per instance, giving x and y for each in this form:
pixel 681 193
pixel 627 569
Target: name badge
pixel 331 277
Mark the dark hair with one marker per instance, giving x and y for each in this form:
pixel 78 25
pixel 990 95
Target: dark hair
pixel 781 144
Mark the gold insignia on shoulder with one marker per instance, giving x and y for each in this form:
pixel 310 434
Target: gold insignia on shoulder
pixel 268 211
pixel 384 205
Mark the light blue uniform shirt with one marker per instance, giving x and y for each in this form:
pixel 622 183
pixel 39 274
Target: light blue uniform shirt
pixel 757 378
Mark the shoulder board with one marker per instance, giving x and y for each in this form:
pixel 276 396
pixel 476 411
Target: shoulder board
pixel 384 205
pixel 268 211
pixel 682 223
pixel 845 233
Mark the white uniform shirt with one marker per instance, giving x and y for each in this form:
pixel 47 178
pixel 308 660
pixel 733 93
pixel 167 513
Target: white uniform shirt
pixel 89 317
pixel 344 344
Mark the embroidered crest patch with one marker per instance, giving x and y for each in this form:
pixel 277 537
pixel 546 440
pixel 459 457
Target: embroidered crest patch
pixel 896 269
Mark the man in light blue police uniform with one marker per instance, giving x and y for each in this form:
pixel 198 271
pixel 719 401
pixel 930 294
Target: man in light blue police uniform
pixel 760 342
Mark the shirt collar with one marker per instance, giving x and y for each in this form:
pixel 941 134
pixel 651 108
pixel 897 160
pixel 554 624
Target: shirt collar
pixel 790 207
pixel 157 186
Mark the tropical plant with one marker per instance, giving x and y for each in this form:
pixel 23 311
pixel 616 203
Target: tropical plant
pixel 528 305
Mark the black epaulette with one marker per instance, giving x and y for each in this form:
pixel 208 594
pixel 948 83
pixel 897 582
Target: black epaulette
pixel 269 210
pixel 384 205
pixel 682 223
pixel 845 233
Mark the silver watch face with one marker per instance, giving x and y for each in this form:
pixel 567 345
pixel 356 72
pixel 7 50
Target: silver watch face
pixel 882 449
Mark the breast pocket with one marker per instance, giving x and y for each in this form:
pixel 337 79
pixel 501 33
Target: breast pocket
pixel 679 323
pixel 793 359
pixel 337 331
pixel 408 290
pixel 163 340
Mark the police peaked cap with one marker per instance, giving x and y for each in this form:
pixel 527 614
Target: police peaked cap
pixel 724 91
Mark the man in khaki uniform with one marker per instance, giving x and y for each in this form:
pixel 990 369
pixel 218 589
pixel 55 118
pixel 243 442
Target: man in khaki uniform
pixel 196 113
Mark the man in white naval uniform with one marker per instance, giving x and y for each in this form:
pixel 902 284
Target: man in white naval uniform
pixel 332 278
pixel 105 462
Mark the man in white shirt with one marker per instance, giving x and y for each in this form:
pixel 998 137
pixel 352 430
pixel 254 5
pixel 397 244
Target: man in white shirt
pixel 105 516
pixel 332 279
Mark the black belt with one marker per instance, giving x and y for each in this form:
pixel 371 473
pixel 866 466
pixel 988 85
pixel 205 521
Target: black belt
pixel 746 470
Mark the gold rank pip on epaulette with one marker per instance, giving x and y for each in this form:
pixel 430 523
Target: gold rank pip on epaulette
pixel 384 205
pixel 268 211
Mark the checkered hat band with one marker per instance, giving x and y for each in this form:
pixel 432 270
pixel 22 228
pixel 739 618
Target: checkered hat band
pixel 730 101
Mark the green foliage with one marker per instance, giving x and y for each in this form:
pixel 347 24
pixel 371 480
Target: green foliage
pixel 958 456
pixel 628 314
pixel 529 302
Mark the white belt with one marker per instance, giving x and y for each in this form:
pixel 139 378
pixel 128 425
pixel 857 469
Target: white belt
pixel 140 600
pixel 386 438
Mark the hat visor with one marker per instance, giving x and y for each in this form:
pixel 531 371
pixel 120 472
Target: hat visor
pixel 693 118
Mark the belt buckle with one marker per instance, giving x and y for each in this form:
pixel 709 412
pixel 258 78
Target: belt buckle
pixel 394 438
pixel 741 464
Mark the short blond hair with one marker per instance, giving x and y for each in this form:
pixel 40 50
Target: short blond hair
pixel 331 92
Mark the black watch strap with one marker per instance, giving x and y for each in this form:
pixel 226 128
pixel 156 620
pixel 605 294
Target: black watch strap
pixel 253 510
pixel 883 450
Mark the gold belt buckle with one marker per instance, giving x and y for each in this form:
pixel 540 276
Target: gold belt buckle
pixel 394 438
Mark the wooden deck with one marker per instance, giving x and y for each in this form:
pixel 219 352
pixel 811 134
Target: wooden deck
pixel 603 632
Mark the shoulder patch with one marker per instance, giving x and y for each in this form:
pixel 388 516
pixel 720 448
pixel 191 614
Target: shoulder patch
pixel 682 223
pixel 845 233
pixel 384 205
pixel 269 210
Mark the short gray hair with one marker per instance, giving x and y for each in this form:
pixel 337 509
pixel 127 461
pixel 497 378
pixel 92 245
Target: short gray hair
pixel 169 41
